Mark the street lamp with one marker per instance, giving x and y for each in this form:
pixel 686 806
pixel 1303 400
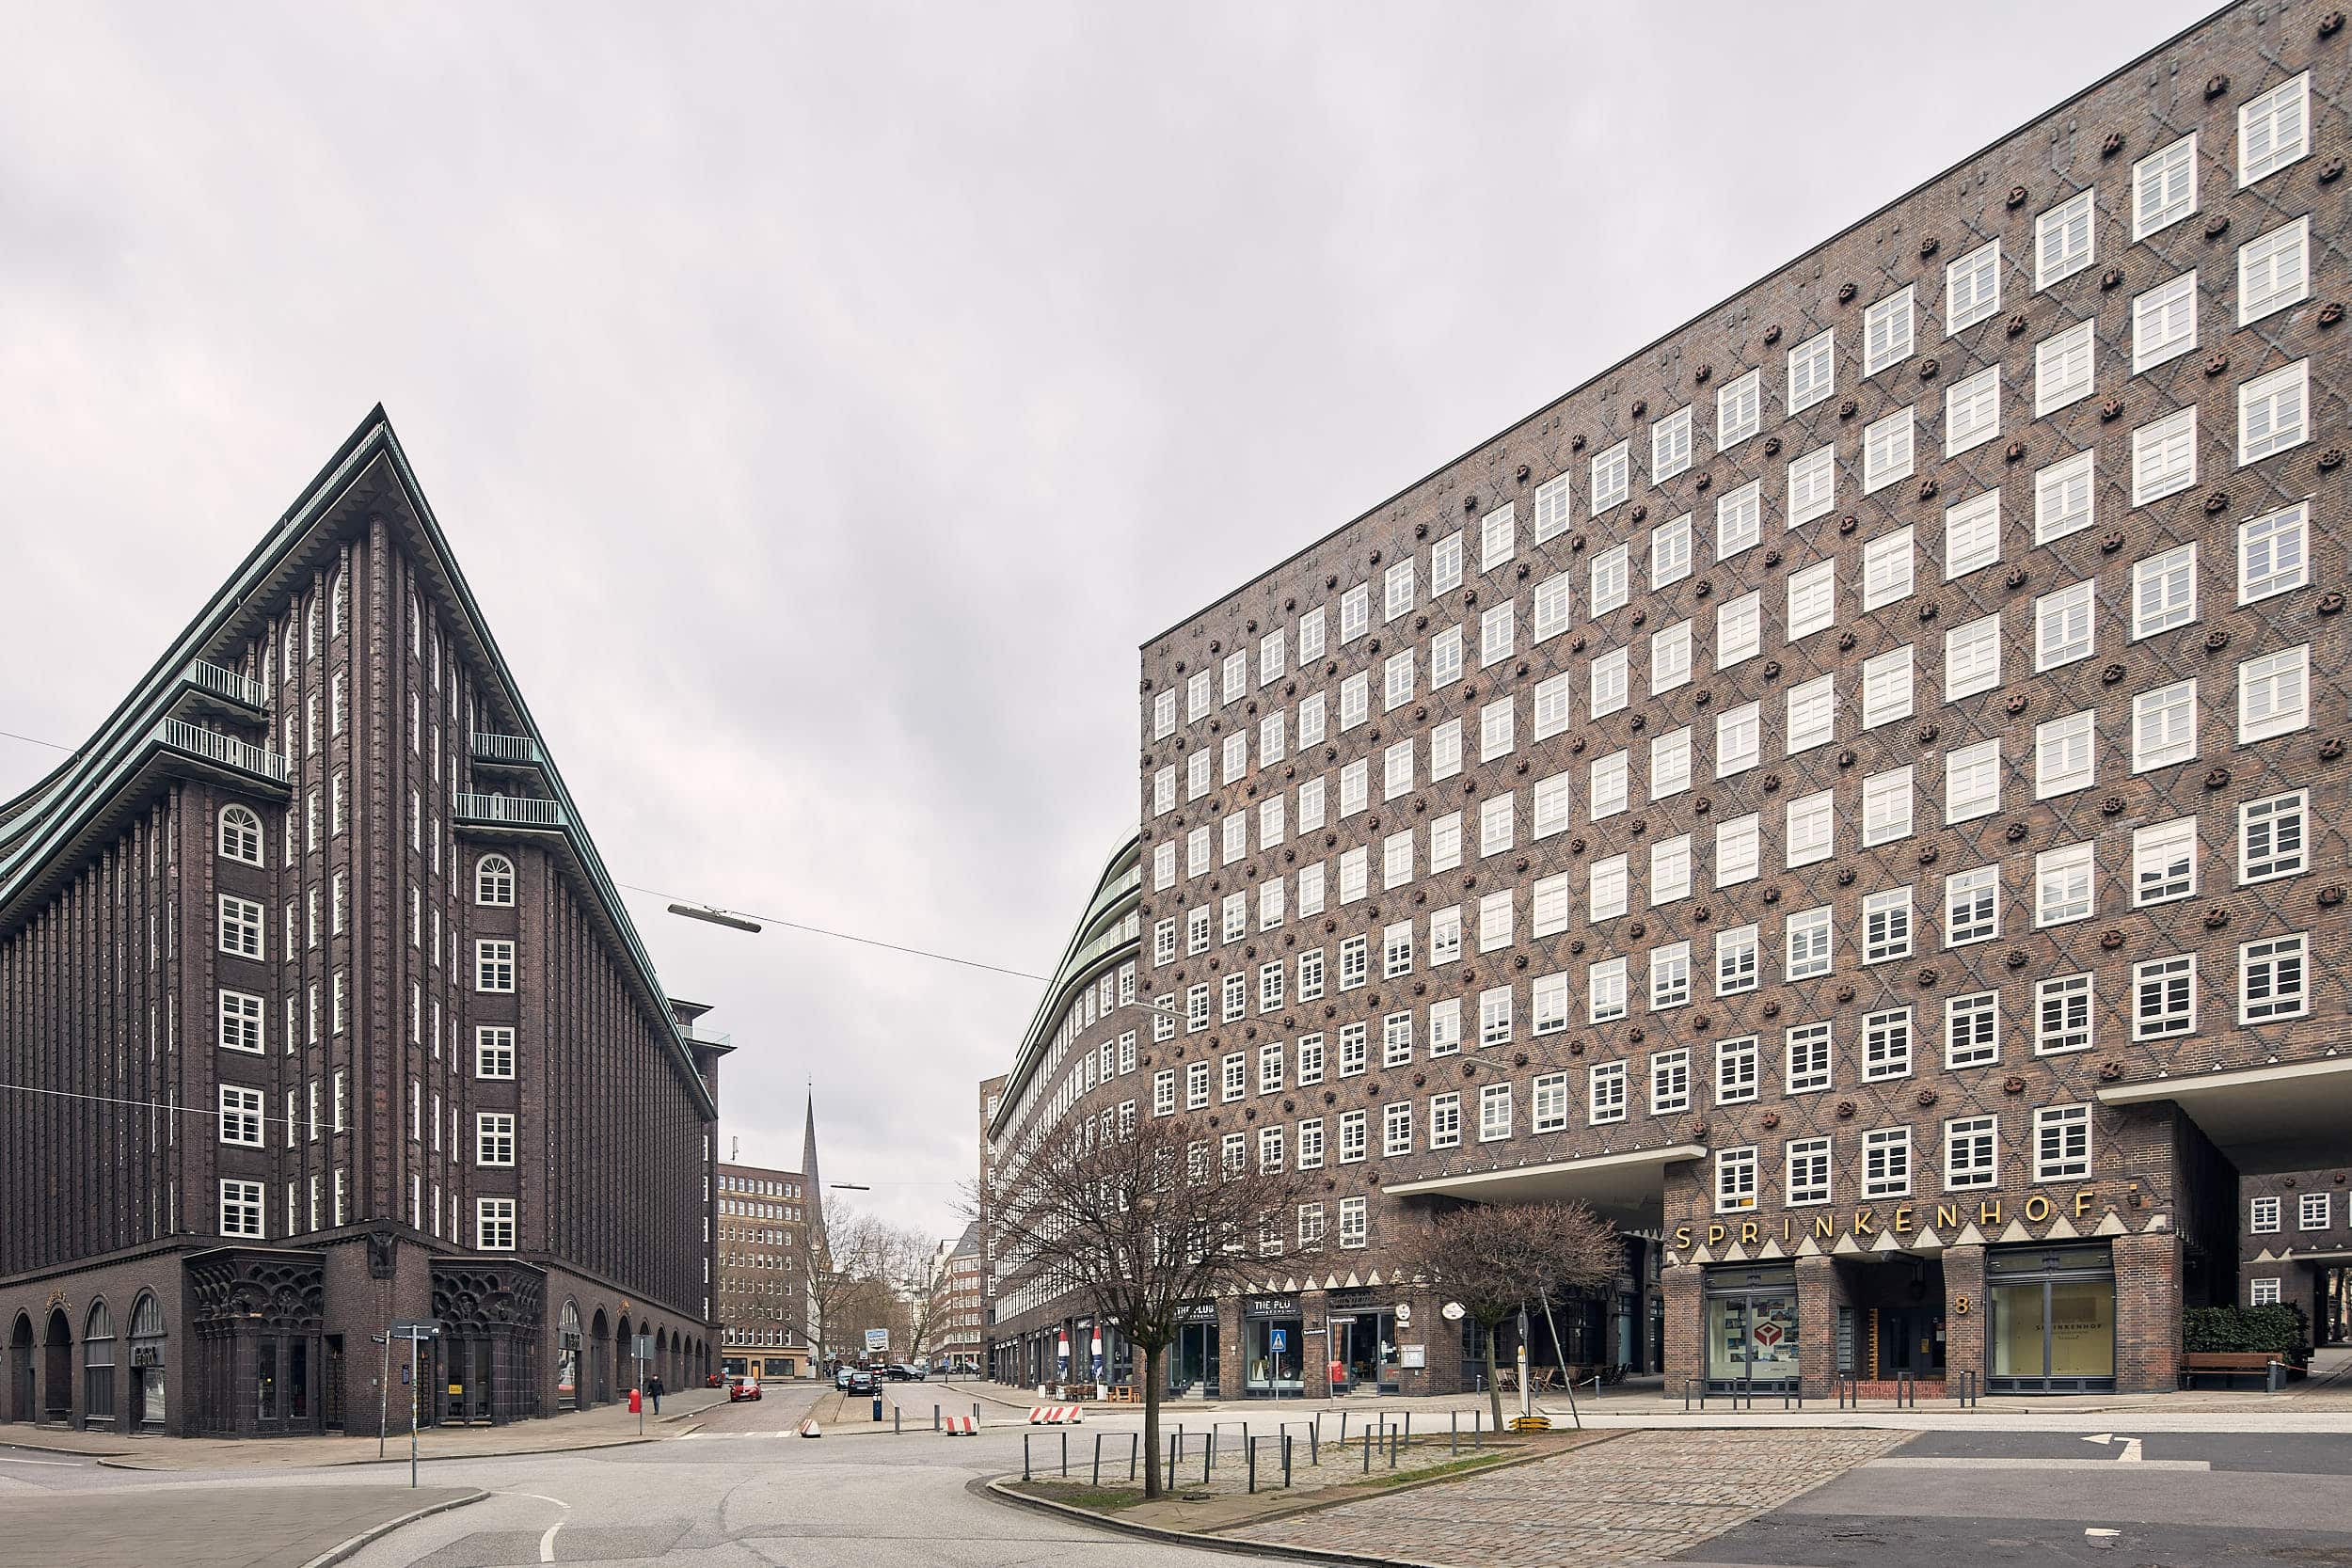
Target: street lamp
pixel 848 1186
pixel 715 917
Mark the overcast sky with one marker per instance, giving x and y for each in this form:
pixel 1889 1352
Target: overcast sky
pixel 825 402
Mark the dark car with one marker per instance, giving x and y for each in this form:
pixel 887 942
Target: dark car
pixel 863 1382
pixel 900 1371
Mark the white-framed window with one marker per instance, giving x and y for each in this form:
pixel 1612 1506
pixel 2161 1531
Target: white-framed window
pixel 1971 1030
pixel 2262 1217
pixel 2163 861
pixel 2062 369
pixel 1445 1120
pixel 1887 1045
pixel 1735 961
pixel 1611 682
pixel 1739 520
pixel 1669 552
pixel 1812 716
pixel 1611 579
pixel 1669 975
pixel 2063 1014
pixel 2164 187
pixel 1607 794
pixel 2274 129
pixel 1972 658
pixel 1548 1002
pixel 1669 1082
pixel 2273 553
pixel 1811 829
pixel 2271 836
pixel 1972 782
pixel 2164 321
pixel 242 926
pixel 1739 850
pixel 241 1209
pixel 1972 534
pixel 1498 536
pixel 1886 806
pixel 1494 1112
pixel 2063 239
pixel 1355 612
pixel 2066 754
pixel 1670 445
pixel 2274 978
pixel 240 1116
pixel 1494 1016
pixel 1887 682
pixel 1886 332
pixel 1972 906
pixel 494 1138
pixel 1670 764
pixel 1972 411
pixel 1551 612
pixel 1396 1128
pixel 1812 485
pixel 1354 1222
pixel 2064 625
pixel 2164 457
pixel 241 1021
pixel 239 835
pixel 1739 739
pixel 1739 629
pixel 1612 477
pixel 1886 926
pixel 2061 1143
pixel 2164 591
pixel 1887 1162
pixel 1396 591
pixel 494 1050
pixel 1972 1152
pixel 1736 1070
pixel 2274 270
pixel 2062 885
pixel 1605 1093
pixel 2263 1293
pixel 1972 287
pixel 2273 412
pixel 2164 727
pixel 1808 1058
pixel 494 877
pixel 494 966
pixel 1738 409
pixel 2064 497
pixel 2164 997
pixel 1605 991
pixel 1812 371
pixel 1735 1180
pixel 493 1225
pixel 1886 451
pixel 1808 1173
pixel 1886 568
pixel 1813 599
pixel 2313 1211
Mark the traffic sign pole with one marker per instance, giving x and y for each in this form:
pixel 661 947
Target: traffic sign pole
pixel 412 1413
pixel 383 1394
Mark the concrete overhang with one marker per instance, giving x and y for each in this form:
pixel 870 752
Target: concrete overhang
pixel 2290 1116
pixel 1628 1188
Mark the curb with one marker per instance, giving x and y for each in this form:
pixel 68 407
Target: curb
pixel 366 1537
pixel 120 1461
pixel 1242 1545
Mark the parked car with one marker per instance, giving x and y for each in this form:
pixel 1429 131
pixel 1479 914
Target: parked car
pixel 901 1372
pixel 841 1376
pixel 746 1387
pixel 863 1382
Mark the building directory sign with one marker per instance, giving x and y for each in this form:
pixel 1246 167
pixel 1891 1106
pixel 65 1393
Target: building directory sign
pixel 877 1340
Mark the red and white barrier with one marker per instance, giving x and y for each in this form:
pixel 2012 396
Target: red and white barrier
pixel 960 1426
pixel 1057 1415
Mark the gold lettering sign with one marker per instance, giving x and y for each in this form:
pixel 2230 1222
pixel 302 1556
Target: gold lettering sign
pixel 1824 1228
pixel 1715 1233
pixel 1862 1224
pixel 1947 1216
pixel 1683 1236
pixel 1748 1232
pixel 1903 1219
pixel 2083 1201
pixel 2037 1209
pixel 1989 1211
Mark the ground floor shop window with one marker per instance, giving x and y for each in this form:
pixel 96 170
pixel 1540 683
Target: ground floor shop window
pixel 2053 1328
pixel 1192 1360
pixel 1750 1324
pixel 1273 1348
pixel 1363 1347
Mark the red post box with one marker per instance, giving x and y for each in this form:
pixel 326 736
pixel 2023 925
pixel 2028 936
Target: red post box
pixel 636 1400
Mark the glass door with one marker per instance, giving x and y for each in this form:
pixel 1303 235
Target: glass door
pixel 2052 1326
pixel 1750 1327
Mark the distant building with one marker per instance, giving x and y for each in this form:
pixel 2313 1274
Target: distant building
pixel 959 1304
pixel 772 1232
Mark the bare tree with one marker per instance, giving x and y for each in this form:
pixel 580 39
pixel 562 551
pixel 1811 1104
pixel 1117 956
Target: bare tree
pixel 1497 1260
pixel 872 1274
pixel 1142 1220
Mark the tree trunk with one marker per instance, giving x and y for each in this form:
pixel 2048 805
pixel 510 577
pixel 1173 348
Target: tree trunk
pixel 1494 1380
pixel 1152 1355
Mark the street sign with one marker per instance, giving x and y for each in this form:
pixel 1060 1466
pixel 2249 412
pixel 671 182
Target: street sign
pixel 640 1346
pixel 417 1328
pixel 1278 1341
pixel 877 1340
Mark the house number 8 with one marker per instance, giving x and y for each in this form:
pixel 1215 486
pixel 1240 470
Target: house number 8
pixel 1959 1306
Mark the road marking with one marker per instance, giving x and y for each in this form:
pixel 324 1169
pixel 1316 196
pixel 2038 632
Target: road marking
pixel 2094 1530
pixel 2005 1463
pixel 539 1497
pixel 60 1463
pixel 2131 1453
pixel 546 1542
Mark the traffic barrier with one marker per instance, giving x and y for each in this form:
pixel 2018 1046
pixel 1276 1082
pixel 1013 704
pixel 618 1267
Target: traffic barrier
pixel 1057 1415
pixel 960 1426
pixel 809 1427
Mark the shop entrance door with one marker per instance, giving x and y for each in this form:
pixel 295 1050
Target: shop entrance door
pixel 466 1391
pixel 1910 1339
pixel 1750 1326
pixel 2053 1328
pixel 1195 1362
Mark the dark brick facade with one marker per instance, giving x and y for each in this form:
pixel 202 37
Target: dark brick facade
pixel 515 1139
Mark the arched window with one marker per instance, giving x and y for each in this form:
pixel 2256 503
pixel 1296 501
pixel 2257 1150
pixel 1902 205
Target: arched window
pixel 146 1363
pixel 98 1367
pixel 239 835
pixel 341 604
pixel 494 881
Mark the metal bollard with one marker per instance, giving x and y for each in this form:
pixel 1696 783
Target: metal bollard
pixel 1392 1435
pixel 934 1418
pixel 976 1414
pixel 1454 1432
pixel 1314 1441
pixel 1175 1451
pixel 1254 1464
pixel 1367 1452
pixel 1135 1450
pixel 1065 1451
pixel 1478 1428
pixel 1342 1428
pixel 1024 1456
pixel 1098 1461
pixel 895 1427
pixel 1208 1456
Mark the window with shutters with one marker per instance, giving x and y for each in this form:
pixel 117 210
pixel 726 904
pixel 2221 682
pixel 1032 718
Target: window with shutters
pixel 1886 332
pixel 1886 451
pixel 1612 478
pixel 2062 369
pixel 2063 498
pixel 1972 906
pixel 1551 508
pixel 1886 568
pixel 2066 754
pixel 2063 239
pixel 1972 534
pixel 2164 187
pixel 1739 520
pixel 2274 270
pixel 1812 371
pixel 1670 445
pixel 2274 129
pixel 2063 1014
pixel 2271 412
pixel 1972 411
pixel 1971 1030
pixel 1738 409
pixel 2164 455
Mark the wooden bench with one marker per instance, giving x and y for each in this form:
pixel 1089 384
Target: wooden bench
pixel 2228 1364
pixel 1121 1393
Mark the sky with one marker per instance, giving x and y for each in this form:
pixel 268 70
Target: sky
pixel 825 402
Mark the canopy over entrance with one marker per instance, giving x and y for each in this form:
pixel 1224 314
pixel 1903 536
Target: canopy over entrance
pixel 1626 1189
pixel 2267 1119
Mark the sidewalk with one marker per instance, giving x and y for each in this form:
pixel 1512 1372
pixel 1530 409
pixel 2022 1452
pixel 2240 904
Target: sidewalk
pixel 226 1526
pixel 607 1426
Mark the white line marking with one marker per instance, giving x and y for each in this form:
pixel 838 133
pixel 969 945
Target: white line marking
pixel 539 1496
pixel 60 1463
pixel 546 1542
pixel 2131 1454
pixel 2094 1530
pixel 2004 1463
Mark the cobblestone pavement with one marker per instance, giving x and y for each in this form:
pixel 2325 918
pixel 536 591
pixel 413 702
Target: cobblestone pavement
pixel 1641 1497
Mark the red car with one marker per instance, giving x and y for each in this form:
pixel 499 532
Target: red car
pixel 743 1388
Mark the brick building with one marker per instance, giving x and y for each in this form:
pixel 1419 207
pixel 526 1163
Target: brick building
pixel 1854 791
pixel 958 1304
pixel 772 1232
pixel 327 1014
pixel 2296 1247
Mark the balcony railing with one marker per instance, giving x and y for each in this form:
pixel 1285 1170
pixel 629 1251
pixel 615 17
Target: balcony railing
pixel 225 684
pixel 517 751
pixel 224 749
pixel 704 1037
pixel 518 811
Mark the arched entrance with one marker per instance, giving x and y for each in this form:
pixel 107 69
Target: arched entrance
pixel 98 1367
pixel 146 1364
pixel 20 1370
pixel 57 1371
pixel 567 1357
pixel 600 1358
pixel 623 1372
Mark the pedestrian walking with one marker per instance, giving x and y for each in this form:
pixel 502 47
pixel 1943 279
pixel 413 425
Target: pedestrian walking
pixel 653 1387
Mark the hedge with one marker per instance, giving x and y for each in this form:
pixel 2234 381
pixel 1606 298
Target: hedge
pixel 2280 1329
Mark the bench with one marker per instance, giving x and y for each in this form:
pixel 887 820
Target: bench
pixel 2226 1364
pixel 1121 1393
